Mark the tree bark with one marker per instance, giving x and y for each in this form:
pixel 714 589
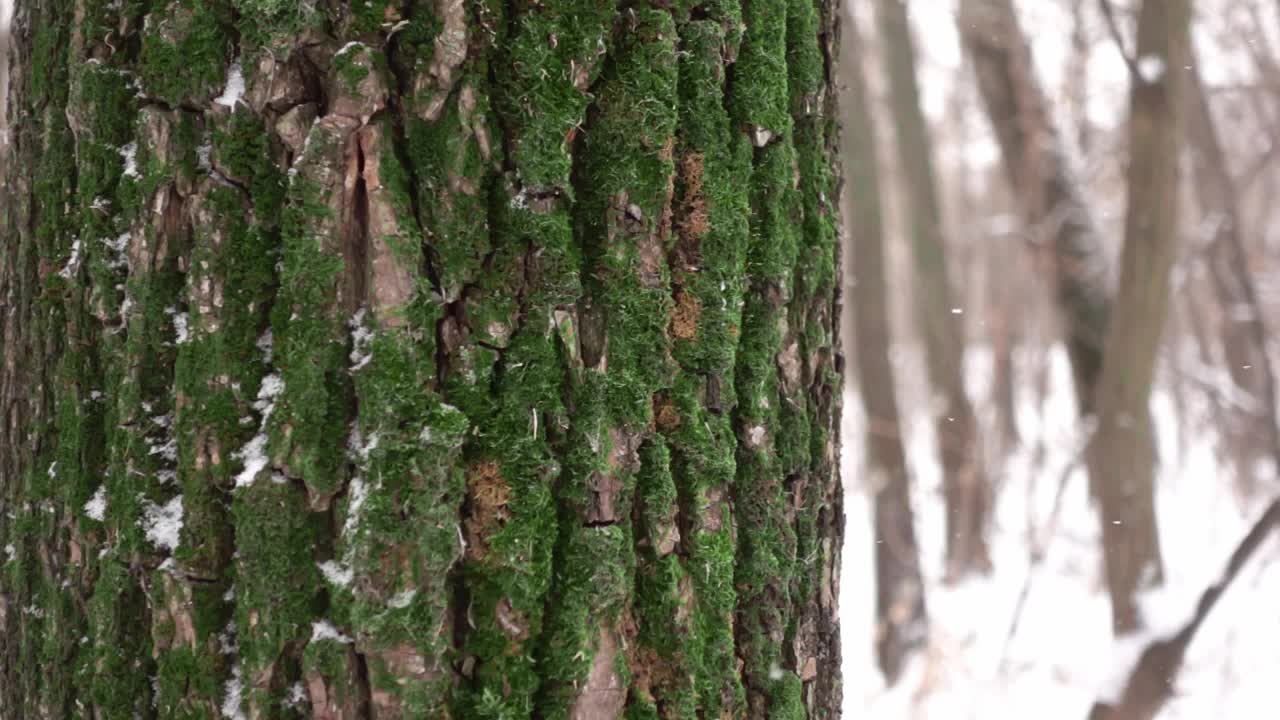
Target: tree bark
pixel 965 484
pixel 1254 434
pixel 1121 456
pixel 405 359
pixel 1036 166
pixel 901 623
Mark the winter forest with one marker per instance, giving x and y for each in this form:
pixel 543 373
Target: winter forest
pixel 639 359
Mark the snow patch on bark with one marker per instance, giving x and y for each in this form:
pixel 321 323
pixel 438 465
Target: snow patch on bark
pixel 73 263
pixel 254 453
pixel 96 508
pixel 324 630
pixel 336 573
pixel 361 337
pixel 233 694
pixel 130 154
pixel 235 86
pixel 163 523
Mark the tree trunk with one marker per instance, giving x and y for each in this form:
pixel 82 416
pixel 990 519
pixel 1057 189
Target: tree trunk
pixel 1121 456
pixel 1036 165
pixel 1253 436
pixel 941 321
pixel 466 360
pixel 900 608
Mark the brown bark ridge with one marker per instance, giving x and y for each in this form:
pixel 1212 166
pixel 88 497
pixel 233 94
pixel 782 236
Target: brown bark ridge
pixel 1036 165
pixel 965 488
pixel 400 359
pixel 1121 454
pixel 901 623
pixel 1254 433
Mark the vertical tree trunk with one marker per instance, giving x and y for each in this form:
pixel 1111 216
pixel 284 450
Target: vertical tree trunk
pixel 403 359
pixel 1121 456
pixel 1035 163
pixel 900 608
pixel 964 479
pixel 1254 434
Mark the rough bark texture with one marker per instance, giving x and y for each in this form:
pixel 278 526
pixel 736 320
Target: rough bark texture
pixel 900 608
pixel 1036 166
pixel 402 359
pixel 965 484
pixel 1122 454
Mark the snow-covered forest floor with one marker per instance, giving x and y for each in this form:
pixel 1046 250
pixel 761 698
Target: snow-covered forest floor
pixel 1061 656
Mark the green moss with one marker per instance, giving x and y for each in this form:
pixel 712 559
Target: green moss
pixel 311 347
pixel 278 588
pixel 539 93
pixel 353 65
pixel 761 98
pixel 186 50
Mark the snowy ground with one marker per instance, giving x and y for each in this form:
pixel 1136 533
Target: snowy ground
pixel 1061 655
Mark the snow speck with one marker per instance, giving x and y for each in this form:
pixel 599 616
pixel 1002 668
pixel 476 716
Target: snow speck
pixel 181 325
pixel 358 492
pixel 254 453
pixel 254 456
pixel 402 599
pixel 324 630
pixel 10 553
pixel 235 86
pixel 361 336
pixel 233 694
pixel 130 154
pixel 1151 68
pixel 336 573
pixel 163 523
pixel 348 48
pixel 96 508
pixel 73 263
pixel 297 696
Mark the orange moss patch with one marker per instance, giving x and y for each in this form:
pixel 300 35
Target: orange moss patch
pixel 487 494
pixel 685 316
pixel 665 415
pixel 694 223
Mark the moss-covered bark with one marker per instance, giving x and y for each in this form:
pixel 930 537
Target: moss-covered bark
pixel 406 359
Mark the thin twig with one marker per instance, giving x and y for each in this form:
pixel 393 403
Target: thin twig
pixel 1109 14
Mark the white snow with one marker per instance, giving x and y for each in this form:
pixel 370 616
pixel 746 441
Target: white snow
pixel 233 694
pixel 130 154
pixel 361 336
pixel 181 331
pixel 1151 68
pixel 254 457
pixel 163 523
pixel 96 507
pixel 73 262
pixel 336 573
pixel 324 630
pixel 401 600
pixel 1062 656
pixel 234 90
pixel 359 492
pixel 254 453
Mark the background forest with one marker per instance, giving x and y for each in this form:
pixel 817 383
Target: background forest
pixel 1032 129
